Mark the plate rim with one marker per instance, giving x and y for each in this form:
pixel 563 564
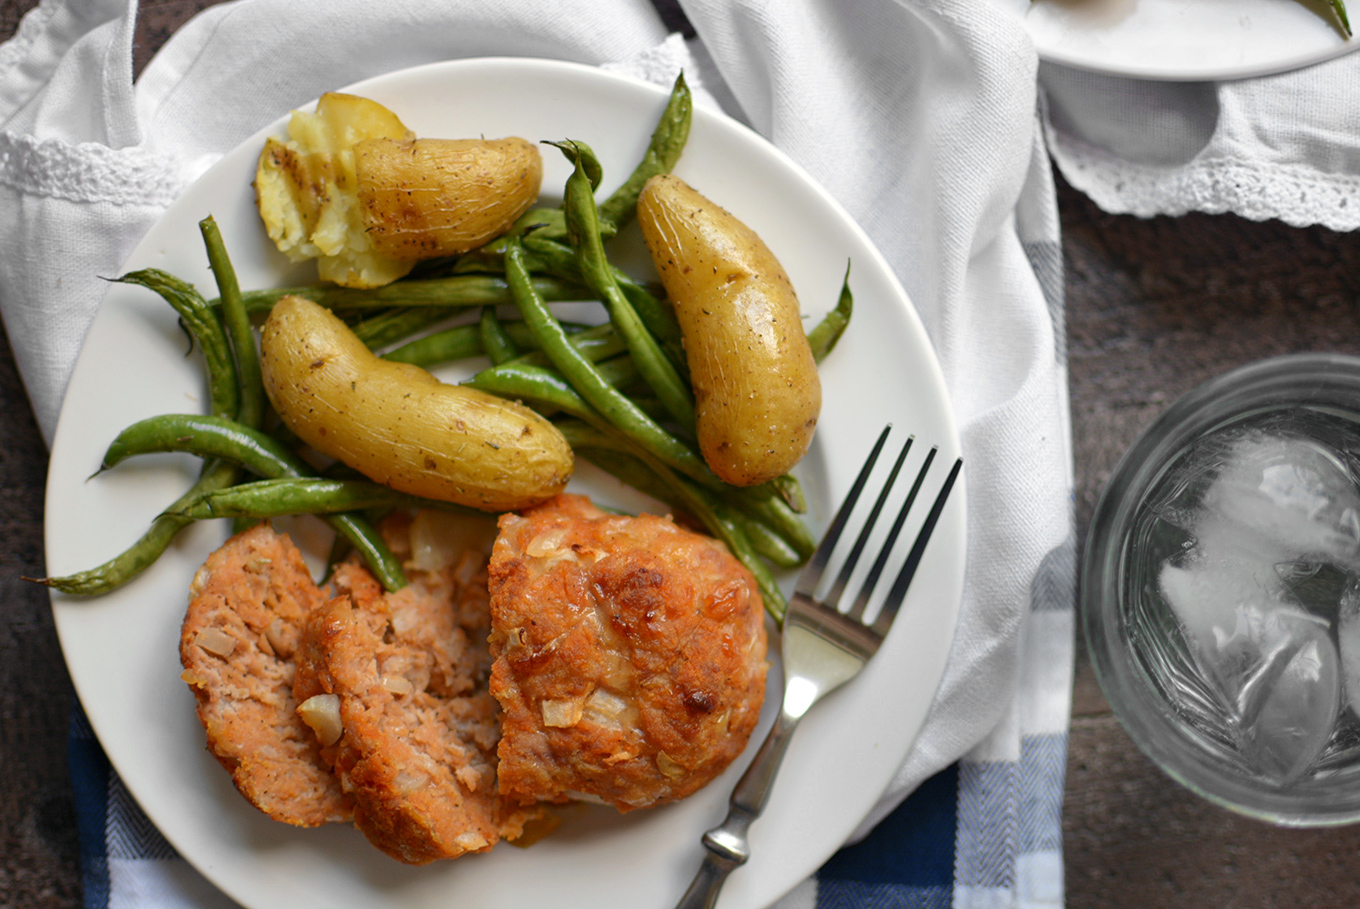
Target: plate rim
pixel 1054 53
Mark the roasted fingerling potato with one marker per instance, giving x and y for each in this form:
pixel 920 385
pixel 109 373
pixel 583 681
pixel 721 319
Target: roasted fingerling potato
pixel 355 190
pixel 756 389
pixel 422 198
pixel 306 190
pixel 399 425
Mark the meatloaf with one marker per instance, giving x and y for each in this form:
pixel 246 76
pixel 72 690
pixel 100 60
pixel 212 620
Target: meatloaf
pixel 630 656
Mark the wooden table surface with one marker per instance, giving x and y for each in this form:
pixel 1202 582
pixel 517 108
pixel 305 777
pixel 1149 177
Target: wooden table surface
pixel 1153 308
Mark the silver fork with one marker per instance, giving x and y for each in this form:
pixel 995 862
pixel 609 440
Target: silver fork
pixel 822 648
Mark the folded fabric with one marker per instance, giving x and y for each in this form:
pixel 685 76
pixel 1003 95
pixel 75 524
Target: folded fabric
pixel 1285 146
pixel 919 117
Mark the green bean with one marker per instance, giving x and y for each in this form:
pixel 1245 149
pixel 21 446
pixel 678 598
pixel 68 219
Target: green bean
pixel 300 495
pixel 399 323
pixel 201 321
pixel 659 318
pixel 214 437
pixel 250 411
pixel 769 544
pixel 583 229
pixel 497 344
pixel 452 291
pixel 597 343
pixel 791 491
pixel 535 383
pixel 658 482
pixel 1339 7
pixel 765 503
pixel 142 554
pixel 585 379
pixel 465 341
pixel 668 141
pixel 441 347
pixel 823 338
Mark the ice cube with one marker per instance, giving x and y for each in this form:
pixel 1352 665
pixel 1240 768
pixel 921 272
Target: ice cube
pixel 1284 728
pixel 1281 498
pixel 1273 665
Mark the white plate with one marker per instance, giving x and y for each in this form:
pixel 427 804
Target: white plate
pixel 1186 40
pixel 122 649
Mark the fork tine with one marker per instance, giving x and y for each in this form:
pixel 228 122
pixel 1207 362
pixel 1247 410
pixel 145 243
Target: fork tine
pixel 866 589
pixel 833 596
pixel 811 575
pixel 899 588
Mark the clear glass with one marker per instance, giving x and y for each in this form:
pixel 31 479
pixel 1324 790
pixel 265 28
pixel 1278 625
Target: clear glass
pixel 1163 677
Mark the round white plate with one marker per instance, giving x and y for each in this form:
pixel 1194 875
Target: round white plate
pixel 1185 40
pixel 122 649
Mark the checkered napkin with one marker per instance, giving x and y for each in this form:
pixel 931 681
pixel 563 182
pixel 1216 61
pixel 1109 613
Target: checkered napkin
pixel 1285 146
pixel 919 116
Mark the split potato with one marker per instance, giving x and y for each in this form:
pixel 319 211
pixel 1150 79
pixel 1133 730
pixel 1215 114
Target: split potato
pixel 757 394
pixel 422 198
pixel 399 425
pixel 355 189
pixel 307 190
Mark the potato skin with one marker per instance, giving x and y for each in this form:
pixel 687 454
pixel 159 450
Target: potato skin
pixel 756 389
pixel 422 198
pixel 399 425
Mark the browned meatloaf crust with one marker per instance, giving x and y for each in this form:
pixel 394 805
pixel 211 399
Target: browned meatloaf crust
pixel 247 606
pixel 418 752
pixel 629 656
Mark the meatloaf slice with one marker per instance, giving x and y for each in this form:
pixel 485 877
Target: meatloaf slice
pixel 246 610
pixel 409 669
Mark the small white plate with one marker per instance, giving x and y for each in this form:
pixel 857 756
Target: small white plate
pixel 1183 40
pixel 122 649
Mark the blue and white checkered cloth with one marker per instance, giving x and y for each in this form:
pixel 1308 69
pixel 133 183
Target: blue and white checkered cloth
pixel 919 116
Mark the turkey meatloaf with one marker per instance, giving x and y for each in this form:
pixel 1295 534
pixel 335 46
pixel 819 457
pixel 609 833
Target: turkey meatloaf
pixel 630 656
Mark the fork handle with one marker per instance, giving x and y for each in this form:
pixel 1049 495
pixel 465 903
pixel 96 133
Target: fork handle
pixel 726 844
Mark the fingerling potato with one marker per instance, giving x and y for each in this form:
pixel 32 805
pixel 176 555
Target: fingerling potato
pixel 399 425
pixel 305 189
pixel 756 390
pixel 422 198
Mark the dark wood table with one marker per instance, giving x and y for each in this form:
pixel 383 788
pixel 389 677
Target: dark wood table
pixel 1153 308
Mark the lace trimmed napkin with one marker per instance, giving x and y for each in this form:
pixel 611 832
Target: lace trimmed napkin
pixel 919 116
pixel 1284 146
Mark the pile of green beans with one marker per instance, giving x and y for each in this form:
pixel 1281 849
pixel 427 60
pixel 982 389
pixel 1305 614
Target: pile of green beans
pixel 619 391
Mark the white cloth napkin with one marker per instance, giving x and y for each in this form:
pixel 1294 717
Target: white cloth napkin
pixel 1284 146
pixel 919 116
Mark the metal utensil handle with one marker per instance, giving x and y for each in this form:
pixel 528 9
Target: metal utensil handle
pixel 726 844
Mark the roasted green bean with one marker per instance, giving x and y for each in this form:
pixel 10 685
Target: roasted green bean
pixel 300 495
pixel 823 338
pixel 583 229
pixel 250 411
pixel 663 151
pixel 451 291
pixel 495 341
pixel 142 554
pixel 214 437
pixel 203 325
